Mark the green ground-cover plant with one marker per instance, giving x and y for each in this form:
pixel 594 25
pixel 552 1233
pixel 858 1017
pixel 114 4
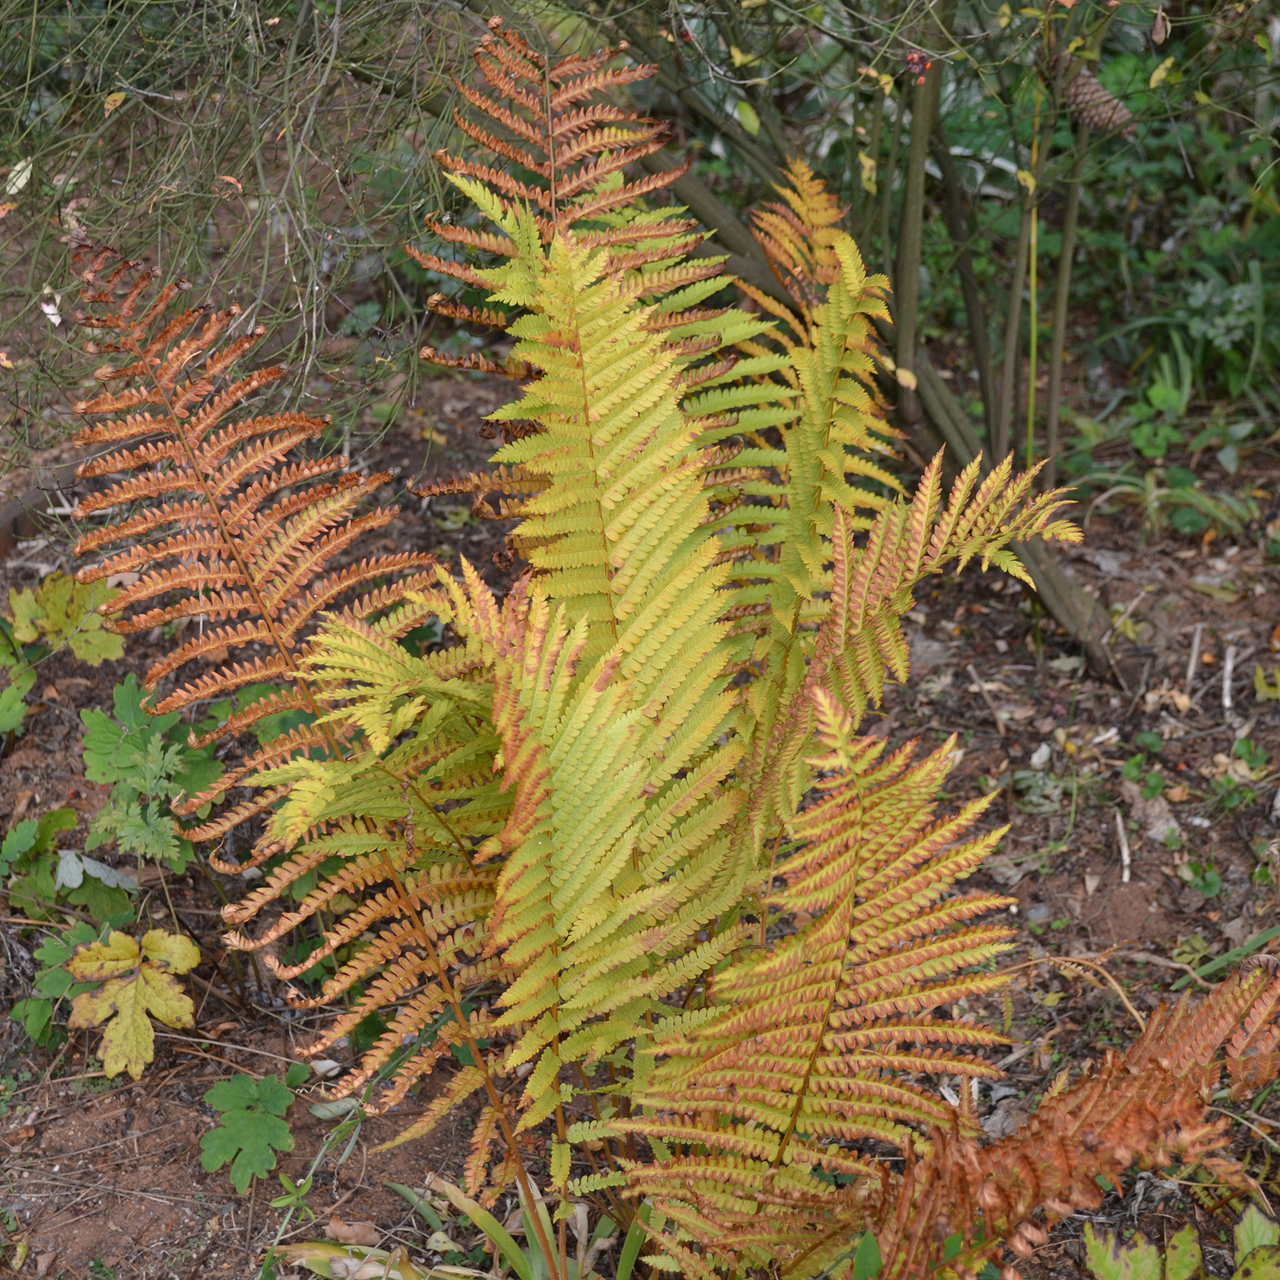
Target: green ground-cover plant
pixel 1256 1240
pixel 251 1127
pixel 42 877
pixel 591 810
pixel 60 612
pixel 149 764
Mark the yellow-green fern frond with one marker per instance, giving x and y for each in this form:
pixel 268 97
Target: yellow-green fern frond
pixel 860 641
pixel 614 851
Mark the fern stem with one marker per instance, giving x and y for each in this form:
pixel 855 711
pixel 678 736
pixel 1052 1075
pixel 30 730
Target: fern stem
pixel 1061 303
pixel 803 1089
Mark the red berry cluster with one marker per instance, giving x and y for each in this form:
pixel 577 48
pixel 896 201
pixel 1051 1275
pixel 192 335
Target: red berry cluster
pixel 917 64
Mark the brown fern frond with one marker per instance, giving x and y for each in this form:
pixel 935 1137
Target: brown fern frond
pixel 1145 1107
pixel 439 305
pixel 556 122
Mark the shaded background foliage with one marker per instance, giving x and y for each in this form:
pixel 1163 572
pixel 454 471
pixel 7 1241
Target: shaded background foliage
pixel 280 154
pixel 276 154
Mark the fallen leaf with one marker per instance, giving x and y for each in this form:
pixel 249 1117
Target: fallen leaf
pixel 1091 884
pixel 18 178
pixel 235 182
pixel 7 208
pixel 1228 595
pixel 136 982
pixel 353 1232
pixel 340 1263
pixel 1178 794
pixel 112 101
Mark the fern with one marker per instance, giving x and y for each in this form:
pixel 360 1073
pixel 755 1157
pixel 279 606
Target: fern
pixel 568 834
pixel 579 795
pixel 616 769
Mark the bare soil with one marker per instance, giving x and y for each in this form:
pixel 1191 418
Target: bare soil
pixel 105 1178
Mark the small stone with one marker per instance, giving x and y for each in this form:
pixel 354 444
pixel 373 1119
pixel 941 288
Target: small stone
pixel 1191 900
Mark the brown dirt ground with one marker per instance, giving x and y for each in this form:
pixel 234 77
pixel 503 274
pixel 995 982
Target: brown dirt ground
pixel 105 1179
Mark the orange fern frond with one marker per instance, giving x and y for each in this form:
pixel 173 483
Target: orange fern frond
pixel 554 121
pixel 798 236
pixel 1145 1107
pixel 221 524
pixel 816 1044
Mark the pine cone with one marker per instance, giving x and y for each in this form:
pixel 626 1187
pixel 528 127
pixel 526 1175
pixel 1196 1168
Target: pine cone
pixel 1099 108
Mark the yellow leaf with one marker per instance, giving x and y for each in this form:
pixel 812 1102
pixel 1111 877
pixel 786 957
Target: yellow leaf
pixel 113 101
pixel 1203 98
pixel 103 960
pixel 1052 998
pixel 868 172
pixel 885 81
pixel 741 59
pixel 1004 16
pixel 1263 43
pixel 5 362
pixel 1158 75
pixel 1266 689
pixel 1027 179
pixel 136 986
pixel 7 208
pixel 907 379
pixel 1075 44
pixel 748 118
pixel 170 952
